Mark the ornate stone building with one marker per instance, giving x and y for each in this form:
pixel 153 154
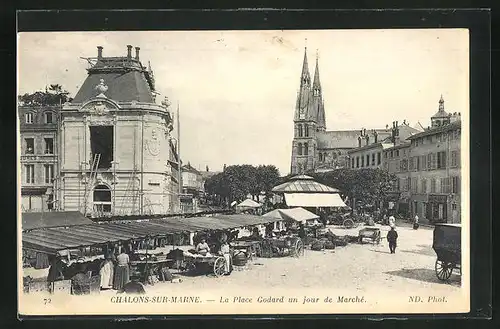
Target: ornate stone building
pixel 116 147
pixel 314 148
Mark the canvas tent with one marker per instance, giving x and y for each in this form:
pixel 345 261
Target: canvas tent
pixel 298 214
pixel 304 191
pixel 249 204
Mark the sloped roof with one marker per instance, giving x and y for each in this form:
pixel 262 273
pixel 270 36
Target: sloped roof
pixel 249 203
pixel 303 184
pixel 122 87
pixel 437 130
pixel 190 168
pixel 36 220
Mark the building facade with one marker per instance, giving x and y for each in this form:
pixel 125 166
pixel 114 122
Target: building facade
pixel 315 149
pixel 39 148
pixel 115 156
pixel 429 170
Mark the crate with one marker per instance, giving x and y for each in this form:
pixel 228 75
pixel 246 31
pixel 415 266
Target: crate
pixel 59 287
pixel 37 286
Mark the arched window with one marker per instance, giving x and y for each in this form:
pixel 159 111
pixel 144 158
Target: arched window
pixel 102 199
pixel 307 130
pixel 301 133
pixel 306 149
pixel 300 149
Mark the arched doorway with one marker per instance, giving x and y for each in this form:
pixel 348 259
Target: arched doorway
pixel 102 199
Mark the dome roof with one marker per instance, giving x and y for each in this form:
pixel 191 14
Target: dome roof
pixel 303 184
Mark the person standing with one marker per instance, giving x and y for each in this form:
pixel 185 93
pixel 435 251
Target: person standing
pixel 122 271
pixel 415 223
pixel 392 238
pixel 225 250
pixel 106 273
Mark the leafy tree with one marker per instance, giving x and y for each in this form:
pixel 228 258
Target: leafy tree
pixel 366 185
pixel 53 95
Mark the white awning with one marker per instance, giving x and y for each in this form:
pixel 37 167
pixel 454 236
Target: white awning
pixel 314 200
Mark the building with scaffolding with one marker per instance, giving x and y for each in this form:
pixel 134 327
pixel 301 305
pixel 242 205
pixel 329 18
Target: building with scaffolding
pixel 117 152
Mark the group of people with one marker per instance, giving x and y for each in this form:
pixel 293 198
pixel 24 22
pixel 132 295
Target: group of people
pixel 114 271
pixel 224 250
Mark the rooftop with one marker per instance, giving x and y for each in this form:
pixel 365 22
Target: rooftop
pixel 437 130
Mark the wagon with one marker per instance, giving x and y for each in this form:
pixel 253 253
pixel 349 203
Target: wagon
pixel 284 246
pixel 214 264
pixel 447 245
pixel 371 233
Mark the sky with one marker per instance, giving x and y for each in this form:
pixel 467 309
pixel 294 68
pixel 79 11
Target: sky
pixel 237 90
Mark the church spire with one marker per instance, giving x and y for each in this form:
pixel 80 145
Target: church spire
pixel 441 104
pixel 316 83
pixel 305 78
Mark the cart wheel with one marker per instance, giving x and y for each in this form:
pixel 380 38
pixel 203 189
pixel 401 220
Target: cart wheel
pixel 348 223
pixel 443 270
pixel 220 266
pixel 299 248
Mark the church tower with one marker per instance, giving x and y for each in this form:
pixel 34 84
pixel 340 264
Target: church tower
pixel 318 103
pixel 305 124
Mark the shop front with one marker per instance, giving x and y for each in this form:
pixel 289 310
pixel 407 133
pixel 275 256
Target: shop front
pixel 419 207
pixel 437 209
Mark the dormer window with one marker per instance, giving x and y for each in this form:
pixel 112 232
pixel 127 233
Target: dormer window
pixel 29 117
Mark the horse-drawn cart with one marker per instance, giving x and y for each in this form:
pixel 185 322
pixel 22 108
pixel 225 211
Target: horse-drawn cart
pixel 447 245
pixel 283 246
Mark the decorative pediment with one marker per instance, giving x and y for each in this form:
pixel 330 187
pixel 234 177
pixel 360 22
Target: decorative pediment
pixel 99 106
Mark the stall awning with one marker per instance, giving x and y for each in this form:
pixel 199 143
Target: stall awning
pixel 35 220
pixel 314 200
pixel 249 203
pixel 298 214
pixel 54 239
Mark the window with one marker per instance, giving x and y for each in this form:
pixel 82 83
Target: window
pixel 441 160
pixel 101 142
pixel 49 145
pixel 403 166
pixel 423 186
pixel 414 186
pixel 433 185
pixel 423 162
pixel 373 159
pixel 378 158
pixel 30 173
pixel 445 185
pixel 392 154
pixel 29 117
pixel 397 153
pixel 307 130
pixel 49 173
pixel 300 131
pixel 357 162
pixel 408 184
pixel 30 145
pixel 411 164
pixel 300 149
pixel 362 161
pixel 455 184
pixel 49 117
pixel 102 199
pixel 367 160
pixel 306 149
pixel 455 158
pixel 320 157
pixel 352 163
pixel 398 185
pixel 417 163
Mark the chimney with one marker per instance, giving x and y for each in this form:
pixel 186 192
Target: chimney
pixel 129 51
pixel 137 53
pixel 99 52
pixel 359 141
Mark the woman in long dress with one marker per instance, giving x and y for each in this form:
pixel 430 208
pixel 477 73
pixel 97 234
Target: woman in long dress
pixel 106 272
pixel 122 271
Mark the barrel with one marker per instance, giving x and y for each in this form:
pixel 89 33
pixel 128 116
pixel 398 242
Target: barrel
pixel 240 259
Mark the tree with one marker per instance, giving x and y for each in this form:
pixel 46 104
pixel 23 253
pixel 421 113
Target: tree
pixel 366 185
pixel 53 95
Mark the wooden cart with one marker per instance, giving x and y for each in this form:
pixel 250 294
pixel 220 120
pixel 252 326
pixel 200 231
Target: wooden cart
pixel 447 245
pixel 370 233
pixel 215 264
pixel 283 246
pixel 251 249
